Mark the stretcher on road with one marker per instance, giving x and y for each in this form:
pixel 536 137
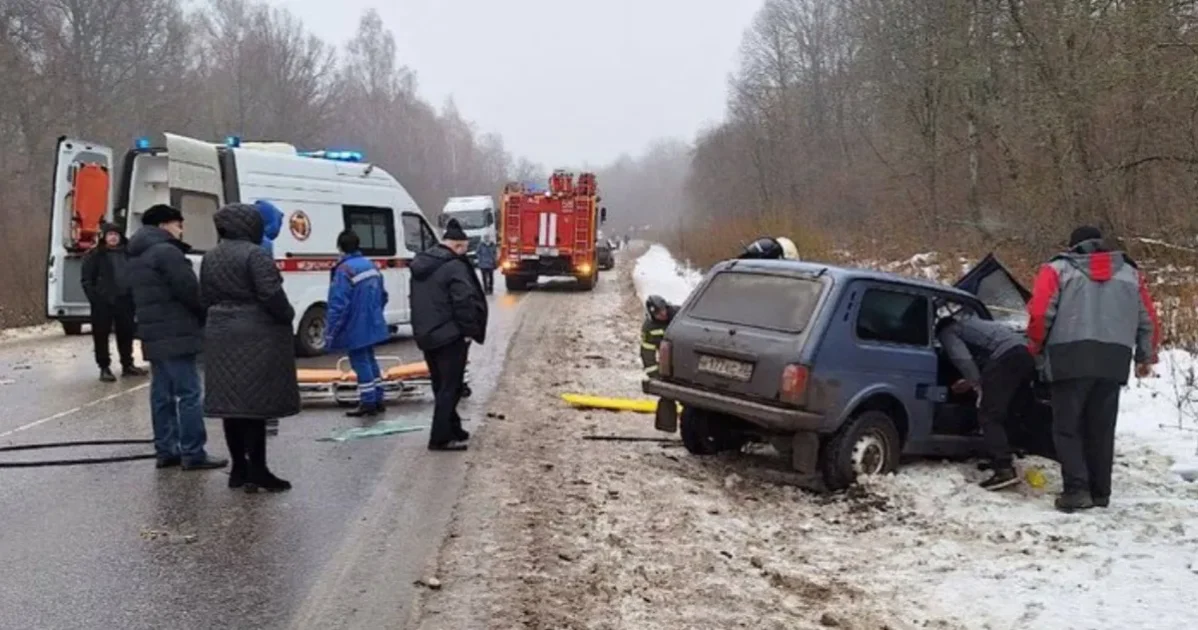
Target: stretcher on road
pixel 339 385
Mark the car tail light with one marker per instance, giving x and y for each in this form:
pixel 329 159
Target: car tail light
pixel 664 367
pixel 794 384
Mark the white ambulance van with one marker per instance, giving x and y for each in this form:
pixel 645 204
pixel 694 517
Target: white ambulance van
pixel 475 214
pixel 321 193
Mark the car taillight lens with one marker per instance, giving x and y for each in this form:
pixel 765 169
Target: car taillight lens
pixel 664 367
pixel 794 384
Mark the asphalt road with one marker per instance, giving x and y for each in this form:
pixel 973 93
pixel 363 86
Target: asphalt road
pixel 127 546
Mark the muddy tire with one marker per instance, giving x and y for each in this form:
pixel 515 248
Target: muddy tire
pixel 309 339
pixel 72 328
pixel 515 284
pixel 707 433
pixel 587 283
pixel 868 444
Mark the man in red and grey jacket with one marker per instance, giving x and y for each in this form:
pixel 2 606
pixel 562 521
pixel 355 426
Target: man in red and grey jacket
pixel 1090 317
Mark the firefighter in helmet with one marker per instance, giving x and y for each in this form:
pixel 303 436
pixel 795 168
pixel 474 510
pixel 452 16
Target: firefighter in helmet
pixel 659 314
pixel 767 248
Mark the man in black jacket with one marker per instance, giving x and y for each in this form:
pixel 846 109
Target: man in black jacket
pixel 170 320
pixel 448 310
pixel 105 282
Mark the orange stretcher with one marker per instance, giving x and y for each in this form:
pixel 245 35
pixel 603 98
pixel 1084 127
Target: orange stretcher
pixel 340 385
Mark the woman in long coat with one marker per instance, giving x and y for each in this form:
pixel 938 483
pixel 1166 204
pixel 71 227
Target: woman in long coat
pixel 249 349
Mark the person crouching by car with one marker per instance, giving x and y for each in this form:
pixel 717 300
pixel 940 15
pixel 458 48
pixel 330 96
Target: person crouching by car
pixel 487 259
pixel 105 280
pixel 249 347
pixel 658 315
pixel 448 310
pixel 994 362
pixel 355 320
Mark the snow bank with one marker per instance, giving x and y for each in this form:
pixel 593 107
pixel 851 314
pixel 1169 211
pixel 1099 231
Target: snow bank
pixel 944 548
pixel 657 272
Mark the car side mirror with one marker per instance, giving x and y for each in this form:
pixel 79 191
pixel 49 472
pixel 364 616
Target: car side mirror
pixel 603 215
pixel 490 220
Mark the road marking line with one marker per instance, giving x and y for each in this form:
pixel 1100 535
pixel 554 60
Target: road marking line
pixel 63 414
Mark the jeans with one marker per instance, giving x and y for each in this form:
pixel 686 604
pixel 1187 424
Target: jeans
pixel 176 408
pixel 370 377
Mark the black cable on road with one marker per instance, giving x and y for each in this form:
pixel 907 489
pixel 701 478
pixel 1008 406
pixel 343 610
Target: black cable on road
pixel 73 462
pixel 627 438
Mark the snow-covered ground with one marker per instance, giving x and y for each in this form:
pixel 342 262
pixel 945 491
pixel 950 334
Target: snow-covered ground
pixel 936 547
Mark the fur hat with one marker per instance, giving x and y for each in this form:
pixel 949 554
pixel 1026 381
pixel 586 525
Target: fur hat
pixel 159 214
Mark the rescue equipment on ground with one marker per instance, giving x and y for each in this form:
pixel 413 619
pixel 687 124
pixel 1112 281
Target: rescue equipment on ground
pixel 339 385
pixel 586 401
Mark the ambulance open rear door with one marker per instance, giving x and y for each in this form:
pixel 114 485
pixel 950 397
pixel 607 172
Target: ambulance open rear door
pixel 82 202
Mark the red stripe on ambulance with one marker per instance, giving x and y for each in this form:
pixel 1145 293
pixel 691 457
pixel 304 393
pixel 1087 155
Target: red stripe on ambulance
pixel 326 264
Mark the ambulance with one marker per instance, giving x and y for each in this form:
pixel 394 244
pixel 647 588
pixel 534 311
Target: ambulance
pixel 321 193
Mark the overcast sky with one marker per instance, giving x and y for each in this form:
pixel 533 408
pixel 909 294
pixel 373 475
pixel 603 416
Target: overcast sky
pixel 564 81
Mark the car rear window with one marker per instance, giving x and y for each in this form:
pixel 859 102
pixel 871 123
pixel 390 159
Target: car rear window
pixel 759 300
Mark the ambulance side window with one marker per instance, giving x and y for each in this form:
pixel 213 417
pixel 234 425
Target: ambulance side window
pixel 417 235
pixel 375 228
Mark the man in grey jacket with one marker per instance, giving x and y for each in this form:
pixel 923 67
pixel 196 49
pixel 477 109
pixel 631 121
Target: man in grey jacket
pixel 1090 317
pixel 994 362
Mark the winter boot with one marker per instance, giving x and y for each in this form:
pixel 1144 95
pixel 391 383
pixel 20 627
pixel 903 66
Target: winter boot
pixel 1070 502
pixel 133 371
pixel 1101 502
pixel 107 376
pixel 364 410
pixel 1003 477
pixel 235 440
pixel 260 477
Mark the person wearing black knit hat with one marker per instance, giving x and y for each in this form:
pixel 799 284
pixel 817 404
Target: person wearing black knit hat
pixel 170 324
pixel 1089 318
pixel 448 310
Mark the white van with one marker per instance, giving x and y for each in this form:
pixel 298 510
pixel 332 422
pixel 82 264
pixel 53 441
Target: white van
pixel 475 214
pixel 321 193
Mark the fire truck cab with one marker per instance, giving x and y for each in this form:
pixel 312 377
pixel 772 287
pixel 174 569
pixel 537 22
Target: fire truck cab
pixel 551 232
pixel 321 193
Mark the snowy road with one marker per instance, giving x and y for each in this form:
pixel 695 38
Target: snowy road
pixel 127 546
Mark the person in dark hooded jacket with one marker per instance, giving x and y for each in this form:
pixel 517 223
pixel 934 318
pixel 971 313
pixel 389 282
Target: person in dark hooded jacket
pixel 448 310
pixel 105 280
pixel 249 348
pixel 170 320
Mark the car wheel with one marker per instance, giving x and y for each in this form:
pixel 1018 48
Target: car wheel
pixel 587 283
pixel 515 284
pixel 868 444
pixel 706 433
pixel 309 339
pixel 72 328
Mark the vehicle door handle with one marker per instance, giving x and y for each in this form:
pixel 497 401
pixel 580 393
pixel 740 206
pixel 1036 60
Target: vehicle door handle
pixel 933 393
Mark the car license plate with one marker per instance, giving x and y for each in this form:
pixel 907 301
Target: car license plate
pixel 727 368
pixel 546 251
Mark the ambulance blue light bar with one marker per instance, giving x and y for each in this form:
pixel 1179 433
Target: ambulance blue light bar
pixel 233 142
pixel 142 143
pixel 340 156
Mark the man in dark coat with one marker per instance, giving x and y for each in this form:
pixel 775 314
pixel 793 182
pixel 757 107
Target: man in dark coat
pixel 1090 317
pixel 448 310
pixel 106 284
pixel 249 348
pixel 994 362
pixel 170 319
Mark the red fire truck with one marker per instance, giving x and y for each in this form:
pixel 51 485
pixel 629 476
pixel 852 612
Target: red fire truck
pixel 550 232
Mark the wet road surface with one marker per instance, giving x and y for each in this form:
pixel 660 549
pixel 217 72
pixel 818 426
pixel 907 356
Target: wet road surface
pixel 124 545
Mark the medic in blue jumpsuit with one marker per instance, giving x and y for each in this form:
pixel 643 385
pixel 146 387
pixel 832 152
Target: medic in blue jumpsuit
pixel 355 320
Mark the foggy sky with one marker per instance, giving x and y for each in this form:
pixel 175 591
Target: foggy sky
pixel 564 81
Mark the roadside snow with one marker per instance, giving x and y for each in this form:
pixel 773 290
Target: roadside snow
pixel 935 546
pixel 8 335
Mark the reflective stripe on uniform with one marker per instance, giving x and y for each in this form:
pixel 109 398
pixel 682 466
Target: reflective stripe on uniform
pixel 651 369
pixel 660 332
pixel 369 273
pixel 648 346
